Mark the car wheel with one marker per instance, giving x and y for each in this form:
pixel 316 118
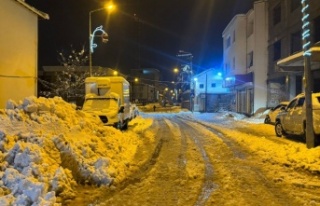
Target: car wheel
pixel 304 135
pixel 267 120
pixel 278 129
pixel 125 125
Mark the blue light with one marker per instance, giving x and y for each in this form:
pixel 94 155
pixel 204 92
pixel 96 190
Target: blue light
pixel 219 74
pixel 304 8
pixel 305 28
pixel 305 25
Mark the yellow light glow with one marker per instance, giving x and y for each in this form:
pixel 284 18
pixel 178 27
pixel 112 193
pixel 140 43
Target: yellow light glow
pixel 110 6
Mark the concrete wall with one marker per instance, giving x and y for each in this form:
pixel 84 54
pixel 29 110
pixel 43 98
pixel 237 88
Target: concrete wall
pixel 260 49
pixel 18 49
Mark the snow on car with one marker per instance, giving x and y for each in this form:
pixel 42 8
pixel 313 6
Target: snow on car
pixel 292 120
pixel 272 114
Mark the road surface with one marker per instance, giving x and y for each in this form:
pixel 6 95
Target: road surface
pixel 194 164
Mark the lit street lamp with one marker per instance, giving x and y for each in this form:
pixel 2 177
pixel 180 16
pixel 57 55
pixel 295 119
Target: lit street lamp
pixel 104 35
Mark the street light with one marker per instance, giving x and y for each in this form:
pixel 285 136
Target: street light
pixel 109 7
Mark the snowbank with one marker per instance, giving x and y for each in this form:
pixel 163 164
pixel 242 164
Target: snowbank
pixel 260 139
pixel 47 147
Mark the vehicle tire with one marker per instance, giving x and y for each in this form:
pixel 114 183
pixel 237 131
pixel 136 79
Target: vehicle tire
pixel 304 136
pixel 125 125
pixel 317 140
pixel 267 120
pixel 278 129
pixel 119 125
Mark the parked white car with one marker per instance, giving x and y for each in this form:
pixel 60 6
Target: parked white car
pixel 292 120
pixel 272 114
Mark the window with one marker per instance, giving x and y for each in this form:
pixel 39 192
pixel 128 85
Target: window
pixel 201 86
pixel 250 29
pixel 277 50
pixel 295 4
pixel 227 69
pixel 228 42
pixel 277 14
pixel 234 63
pixel 250 59
pixel 213 85
pixel 292 104
pixel 296 42
pixel 300 102
pixel 234 35
pixel 317 29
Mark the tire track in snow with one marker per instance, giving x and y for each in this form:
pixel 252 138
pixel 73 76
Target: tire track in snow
pixel 208 186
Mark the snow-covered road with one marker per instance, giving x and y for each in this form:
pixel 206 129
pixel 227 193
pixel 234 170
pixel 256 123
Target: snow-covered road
pixel 198 163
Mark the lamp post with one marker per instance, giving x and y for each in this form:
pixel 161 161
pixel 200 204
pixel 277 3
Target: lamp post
pixel 175 82
pixel 109 7
pixel 308 81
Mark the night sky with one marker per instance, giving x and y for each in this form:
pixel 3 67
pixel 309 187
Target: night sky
pixel 151 40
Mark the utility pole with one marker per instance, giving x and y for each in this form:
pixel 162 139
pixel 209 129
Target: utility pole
pixel 308 80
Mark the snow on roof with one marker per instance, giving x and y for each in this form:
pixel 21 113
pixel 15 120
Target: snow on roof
pixel 34 10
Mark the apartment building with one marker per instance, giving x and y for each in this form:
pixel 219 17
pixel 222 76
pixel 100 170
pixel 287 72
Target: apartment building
pixel 245 59
pixel 286 62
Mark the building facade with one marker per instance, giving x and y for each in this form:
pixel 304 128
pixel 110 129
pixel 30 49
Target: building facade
pixel 245 59
pixel 286 64
pixel 207 92
pixel 19 50
pixel 144 85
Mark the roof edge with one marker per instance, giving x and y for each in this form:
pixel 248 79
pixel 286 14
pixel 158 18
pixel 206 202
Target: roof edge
pixel 34 10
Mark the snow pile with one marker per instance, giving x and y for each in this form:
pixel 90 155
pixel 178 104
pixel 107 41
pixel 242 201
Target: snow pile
pixel 261 140
pixel 47 147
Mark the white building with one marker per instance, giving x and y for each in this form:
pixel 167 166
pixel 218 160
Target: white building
pixel 208 89
pixel 245 55
pixel 18 49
